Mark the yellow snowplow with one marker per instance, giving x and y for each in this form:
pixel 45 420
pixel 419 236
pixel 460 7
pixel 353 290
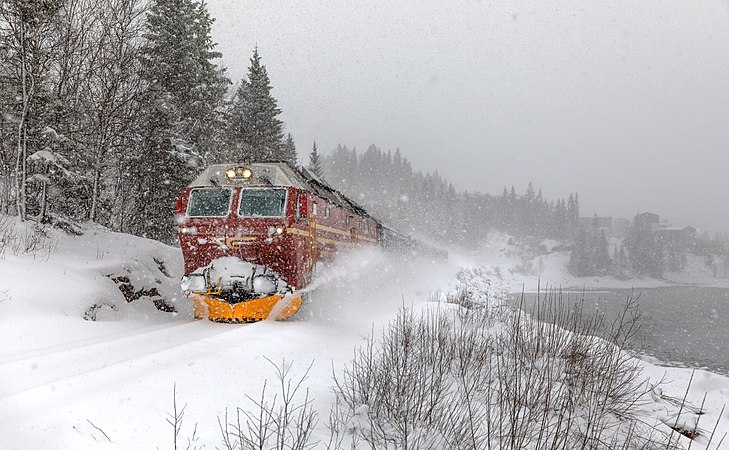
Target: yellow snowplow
pixel 278 307
pixel 232 290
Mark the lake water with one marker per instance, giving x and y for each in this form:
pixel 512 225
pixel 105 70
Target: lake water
pixel 683 325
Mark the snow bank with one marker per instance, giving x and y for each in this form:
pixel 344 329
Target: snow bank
pixel 108 383
pixel 74 382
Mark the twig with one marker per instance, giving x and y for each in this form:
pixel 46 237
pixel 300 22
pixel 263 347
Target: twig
pixel 102 431
pixel 716 424
pixel 680 409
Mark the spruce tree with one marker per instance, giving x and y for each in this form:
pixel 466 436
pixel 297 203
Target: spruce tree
pixel 580 263
pixel 601 254
pixel 315 162
pixel 645 252
pixel 181 105
pixel 573 215
pixel 254 130
pixel 289 151
pixel 177 62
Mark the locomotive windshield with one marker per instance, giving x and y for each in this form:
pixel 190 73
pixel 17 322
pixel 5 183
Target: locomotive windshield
pixel 262 202
pixel 209 202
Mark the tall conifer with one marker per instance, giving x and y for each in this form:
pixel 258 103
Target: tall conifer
pixel 315 162
pixel 182 108
pixel 289 151
pixel 254 129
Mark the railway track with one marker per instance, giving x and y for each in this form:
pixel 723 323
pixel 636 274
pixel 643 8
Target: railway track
pixel 44 366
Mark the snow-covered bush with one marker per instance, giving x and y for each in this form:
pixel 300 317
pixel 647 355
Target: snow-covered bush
pixel 413 388
pixel 442 379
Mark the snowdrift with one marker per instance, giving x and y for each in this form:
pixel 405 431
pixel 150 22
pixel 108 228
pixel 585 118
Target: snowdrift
pixel 70 382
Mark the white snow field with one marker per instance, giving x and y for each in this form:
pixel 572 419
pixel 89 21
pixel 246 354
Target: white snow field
pixel 71 383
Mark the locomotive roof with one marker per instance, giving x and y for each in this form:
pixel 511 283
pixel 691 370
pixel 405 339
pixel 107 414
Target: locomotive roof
pixel 278 174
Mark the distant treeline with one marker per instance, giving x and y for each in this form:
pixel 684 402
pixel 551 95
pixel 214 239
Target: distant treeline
pixel 429 206
pixel 644 249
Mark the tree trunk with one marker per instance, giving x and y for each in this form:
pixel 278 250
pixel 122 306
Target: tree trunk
pixel 43 204
pixel 5 194
pixel 21 170
pixel 95 192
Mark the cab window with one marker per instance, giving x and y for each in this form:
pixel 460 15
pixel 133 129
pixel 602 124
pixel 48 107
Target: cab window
pixel 262 202
pixel 209 202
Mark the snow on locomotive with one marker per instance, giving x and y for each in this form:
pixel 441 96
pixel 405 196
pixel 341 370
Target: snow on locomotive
pixel 251 235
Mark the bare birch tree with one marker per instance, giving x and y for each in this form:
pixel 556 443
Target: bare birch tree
pixel 29 39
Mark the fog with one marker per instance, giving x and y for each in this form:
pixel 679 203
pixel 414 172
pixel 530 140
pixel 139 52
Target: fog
pixel 625 102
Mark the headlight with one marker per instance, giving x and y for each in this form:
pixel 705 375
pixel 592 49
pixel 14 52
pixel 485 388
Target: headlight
pixel 188 230
pixel 239 172
pixel 194 283
pixel 276 230
pixel 265 284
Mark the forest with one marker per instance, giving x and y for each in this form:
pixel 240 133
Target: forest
pixel 109 111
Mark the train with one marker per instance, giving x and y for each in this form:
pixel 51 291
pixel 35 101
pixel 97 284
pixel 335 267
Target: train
pixel 252 234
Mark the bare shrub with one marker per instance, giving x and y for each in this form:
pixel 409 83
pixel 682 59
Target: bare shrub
pixel 414 387
pixel 445 379
pixel 284 423
pixel 175 420
pixel 571 373
pixel 8 234
pixel 26 238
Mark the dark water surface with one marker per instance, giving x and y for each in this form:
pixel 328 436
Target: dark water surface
pixel 682 325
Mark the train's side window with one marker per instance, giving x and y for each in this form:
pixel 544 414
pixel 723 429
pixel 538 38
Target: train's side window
pixel 348 221
pixel 326 212
pixel 314 208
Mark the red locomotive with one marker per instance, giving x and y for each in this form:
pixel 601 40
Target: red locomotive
pixel 251 235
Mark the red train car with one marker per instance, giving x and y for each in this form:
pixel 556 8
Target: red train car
pixel 251 235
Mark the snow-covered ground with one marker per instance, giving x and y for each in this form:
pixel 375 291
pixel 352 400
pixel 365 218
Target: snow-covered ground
pixel 71 383
pixel 61 376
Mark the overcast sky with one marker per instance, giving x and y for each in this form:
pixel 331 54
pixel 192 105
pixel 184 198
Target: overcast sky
pixel 623 101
